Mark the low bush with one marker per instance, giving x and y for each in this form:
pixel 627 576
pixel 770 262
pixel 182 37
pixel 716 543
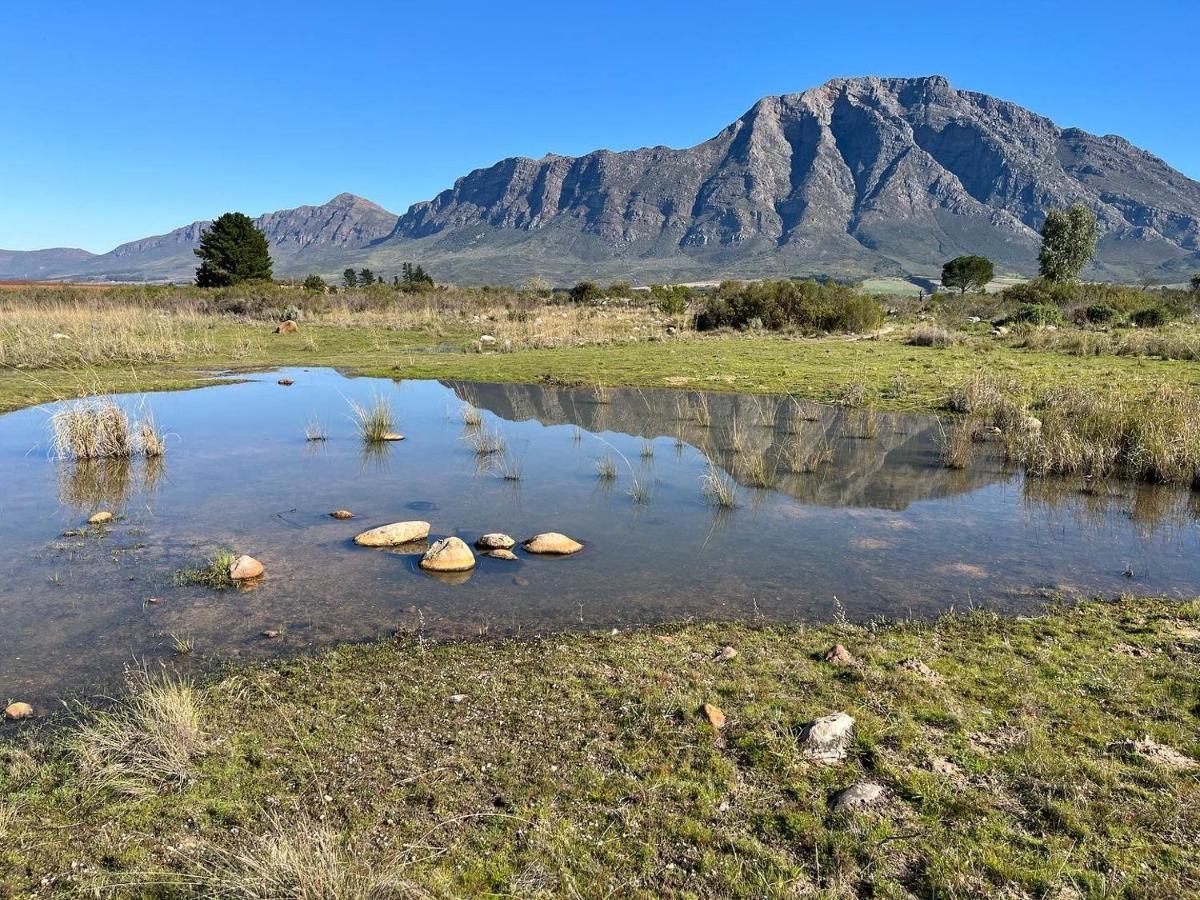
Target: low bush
pixel 1037 314
pixel 777 305
pixel 1151 317
pixel 1100 314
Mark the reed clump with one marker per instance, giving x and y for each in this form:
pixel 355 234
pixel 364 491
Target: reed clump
pixel 719 488
pixel 99 428
pixel 958 443
pixel 374 420
pixel 606 468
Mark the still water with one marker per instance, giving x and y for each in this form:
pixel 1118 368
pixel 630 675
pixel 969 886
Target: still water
pixel 878 527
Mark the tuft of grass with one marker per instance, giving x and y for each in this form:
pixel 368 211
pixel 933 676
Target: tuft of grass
pixel 601 393
pixel 854 395
pixel 647 449
pixel 373 420
pixel 640 492
pixel 94 428
pixel 933 336
pixel 508 467
pixel 146 743
pixel 486 442
pixel 314 430
pixel 606 468
pixel 213 574
pixel 472 418
pixel 958 443
pixel 183 644
pixel 718 488
pixel 700 410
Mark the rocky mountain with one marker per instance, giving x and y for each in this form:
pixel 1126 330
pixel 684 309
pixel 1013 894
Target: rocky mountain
pixel 861 176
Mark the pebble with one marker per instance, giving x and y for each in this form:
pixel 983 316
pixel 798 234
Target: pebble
pixel 726 653
pixel 716 718
pixel 18 710
pixel 100 518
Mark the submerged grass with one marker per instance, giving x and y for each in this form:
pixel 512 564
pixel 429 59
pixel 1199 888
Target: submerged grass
pixel 213 574
pixel 577 765
pixel 373 420
pixel 719 488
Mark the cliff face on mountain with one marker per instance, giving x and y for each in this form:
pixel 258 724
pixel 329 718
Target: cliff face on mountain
pixel 860 176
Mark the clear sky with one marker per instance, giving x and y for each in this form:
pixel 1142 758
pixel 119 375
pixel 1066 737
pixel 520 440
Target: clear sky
pixel 125 118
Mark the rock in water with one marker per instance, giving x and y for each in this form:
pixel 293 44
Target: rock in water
pixel 448 555
pixel 245 567
pixel 500 554
pixel 342 514
pixel 394 534
pixel 827 738
pixel 391 436
pixel 716 718
pixel 858 796
pixel 495 540
pixel 18 710
pixel 552 543
pixel 100 518
pixel 286 382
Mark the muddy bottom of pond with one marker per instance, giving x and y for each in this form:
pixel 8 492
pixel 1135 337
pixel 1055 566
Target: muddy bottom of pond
pixel 838 511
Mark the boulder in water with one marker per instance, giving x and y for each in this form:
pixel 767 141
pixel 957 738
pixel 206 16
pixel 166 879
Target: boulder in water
pixel 450 554
pixel 553 544
pixel 394 534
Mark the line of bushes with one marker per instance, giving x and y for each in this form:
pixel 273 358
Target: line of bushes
pixel 808 306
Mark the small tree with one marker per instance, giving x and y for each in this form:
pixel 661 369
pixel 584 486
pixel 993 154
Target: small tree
pixel 350 278
pixel 1068 242
pixel 232 250
pixel 967 273
pixel 315 283
pixel 1196 283
pixel 586 292
pixel 366 277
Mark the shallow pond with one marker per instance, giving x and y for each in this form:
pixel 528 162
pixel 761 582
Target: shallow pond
pixel 878 527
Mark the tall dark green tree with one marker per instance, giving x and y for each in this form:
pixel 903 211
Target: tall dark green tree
pixel 350 278
pixel 232 250
pixel 967 273
pixel 1068 242
pixel 366 277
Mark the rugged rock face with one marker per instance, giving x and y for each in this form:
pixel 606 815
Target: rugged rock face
pixel 858 176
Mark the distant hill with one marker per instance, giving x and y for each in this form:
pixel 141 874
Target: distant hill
pixel 858 177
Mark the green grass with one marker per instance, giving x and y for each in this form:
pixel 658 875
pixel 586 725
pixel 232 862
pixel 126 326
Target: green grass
pixel 576 765
pixel 816 368
pixel 213 574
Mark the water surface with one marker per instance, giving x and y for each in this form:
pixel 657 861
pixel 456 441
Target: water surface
pixel 880 528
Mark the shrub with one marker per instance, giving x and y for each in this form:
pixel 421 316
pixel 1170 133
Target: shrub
pixel 1151 317
pixel 932 336
pixel 586 292
pixel 315 283
pixel 1038 314
pixel 1100 314
pixel 807 305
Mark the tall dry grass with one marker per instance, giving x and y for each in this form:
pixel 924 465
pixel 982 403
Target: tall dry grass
pixel 146 743
pixel 100 428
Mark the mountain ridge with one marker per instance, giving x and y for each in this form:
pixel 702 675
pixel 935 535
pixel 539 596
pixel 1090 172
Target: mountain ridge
pixel 857 177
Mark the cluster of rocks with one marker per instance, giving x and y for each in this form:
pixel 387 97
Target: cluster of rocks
pixel 452 554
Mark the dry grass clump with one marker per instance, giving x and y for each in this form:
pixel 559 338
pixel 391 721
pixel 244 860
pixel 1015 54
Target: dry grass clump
pixel 374 420
pixel 292 860
pixel 485 442
pixel 756 472
pixel 1181 342
pixel 933 336
pixel 799 459
pixel 854 395
pixel 1079 432
pixel 606 468
pixel 719 488
pixel 99 428
pixel 958 443
pixel 471 417
pixel 147 743
pixel 314 430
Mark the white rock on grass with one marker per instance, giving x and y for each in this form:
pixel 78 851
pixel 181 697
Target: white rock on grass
pixel 827 739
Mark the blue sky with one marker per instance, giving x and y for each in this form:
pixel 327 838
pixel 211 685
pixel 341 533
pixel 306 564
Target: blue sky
pixel 124 119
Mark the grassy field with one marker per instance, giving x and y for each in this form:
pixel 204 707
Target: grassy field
pixel 581 765
pixel 901 376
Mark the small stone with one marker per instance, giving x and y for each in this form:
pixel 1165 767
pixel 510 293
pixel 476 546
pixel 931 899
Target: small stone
pixel 288 327
pixel 552 543
pixel 100 518
pixel 495 540
pixel 840 656
pixel 394 534
pixel 448 555
pixel 827 739
pixel 286 382
pixel 726 653
pixel 862 795
pixel 18 710
pixel 501 554
pixel 391 436
pixel 342 514
pixel 245 567
pixel 487 339
pixel 1032 424
pixel 716 718
pixel 270 633
pixel 153 600
pixel 457 698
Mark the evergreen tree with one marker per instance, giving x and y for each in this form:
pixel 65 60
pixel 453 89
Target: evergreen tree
pixel 232 250
pixel 366 278
pixel 350 278
pixel 314 283
pixel 966 273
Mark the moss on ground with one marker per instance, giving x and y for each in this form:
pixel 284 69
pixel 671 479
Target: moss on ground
pixel 901 376
pixel 576 765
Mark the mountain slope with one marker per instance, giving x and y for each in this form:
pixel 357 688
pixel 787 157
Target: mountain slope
pixel 859 176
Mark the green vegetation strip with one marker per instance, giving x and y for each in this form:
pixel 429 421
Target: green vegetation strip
pixel 900 376
pixel 579 765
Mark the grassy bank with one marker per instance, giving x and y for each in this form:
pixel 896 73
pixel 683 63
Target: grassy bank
pixel 580 765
